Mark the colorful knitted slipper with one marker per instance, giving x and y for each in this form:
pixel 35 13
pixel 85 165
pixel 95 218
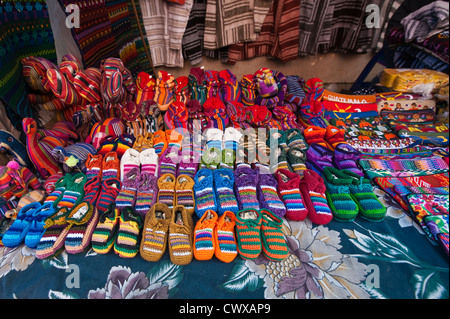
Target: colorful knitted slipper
pixel 105 232
pixel 60 187
pixel 159 142
pixel 224 237
pixel 166 190
pixel 276 138
pixel 168 161
pixel 127 194
pixel 296 158
pixel 130 159
pixel 74 193
pixel 110 166
pixel 246 180
pixel 128 235
pixel 231 138
pixel 334 136
pixel 203 236
pixel 315 135
pixel 361 190
pixel 56 230
pixel 338 194
pixel 228 158
pixel 37 229
pixel 188 164
pixel 180 241
pixel 289 192
pixel 248 233
pixel 295 139
pixel 318 157
pixel 268 195
pixel 92 190
pixel 184 193
pixel 146 193
pixel 205 195
pixel 279 160
pixel 274 244
pixel 211 158
pixel 313 191
pixel 94 166
pixel 346 157
pixel 155 232
pixel 108 194
pixel 262 150
pixel 16 233
pixel 224 187
pixel 84 220
pixel 149 161
pixel 174 140
pixel 214 137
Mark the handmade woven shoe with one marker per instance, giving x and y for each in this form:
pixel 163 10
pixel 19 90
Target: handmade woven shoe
pixel 168 161
pixel 166 190
pixel 289 192
pixel 224 237
pixel 180 239
pixel 149 161
pixel 74 193
pixel 184 193
pixel 92 190
pixel 127 194
pixel 334 136
pixel 108 194
pixel 94 166
pixel 16 233
pixel 224 188
pixel 295 139
pixel 246 180
pixel 105 232
pixel 205 195
pixel 60 187
pixel 279 160
pixel 274 244
pixel 146 193
pixel 159 142
pixel 110 166
pixel 315 135
pixel 128 238
pixel 203 236
pixel 268 195
pixel 346 157
pixel 361 190
pixel 130 159
pixel 37 229
pixel 248 233
pixel 338 194
pixel 318 157
pixel 84 220
pixel 296 158
pixel 313 191
pixel 155 232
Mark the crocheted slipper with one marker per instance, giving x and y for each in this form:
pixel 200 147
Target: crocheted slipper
pixel 214 137
pixel 224 237
pixel 37 229
pixel 92 190
pixel 94 166
pixel 338 194
pixel 248 233
pixel 84 219
pixel 296 158
pixel 105 232
pixel 108 194
pixel 346 157
pixel 110 166
pixel 289 192
pixel 313 190
pixel 128 235
pixel 361 190
pixel 274 244
pixel 334 136
pixel 231 138
pixel 245 183
pixel 318 157
pixel 73 194
pixel 279 160
pixel 204 247
pixel 166 190
pixel 16 233
pixel 184 193
pixel 149 161
pixel 168 161
pixel 159 142
pixel 146 193
pixel 127 194
pixel 60 187
pixel 174 140
pixel 268 195
pixel 211 158
pixel 155 232
pixel 205 195
pixel 315 135
pixel 224 187
pixel 188 164
pixel 228 158
pixel 180 241
pixel 129 160
pixel 295 138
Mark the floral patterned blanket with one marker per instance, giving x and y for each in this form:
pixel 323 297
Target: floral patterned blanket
pixel 393 259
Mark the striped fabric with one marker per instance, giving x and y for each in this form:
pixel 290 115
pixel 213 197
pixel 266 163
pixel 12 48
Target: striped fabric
pixel 180 245
pixel 165 23
pixel 105 232
pixel 153 241
pixel 108 194
pixel 274 244
pixel 193 35
pixel 233 21
pixel 203 236
pixel 248 234
pixel 127 241
pixel 292 198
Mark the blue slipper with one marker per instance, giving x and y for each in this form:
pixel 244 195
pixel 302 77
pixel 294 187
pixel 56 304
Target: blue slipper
pixel 16 233
pixel 37 229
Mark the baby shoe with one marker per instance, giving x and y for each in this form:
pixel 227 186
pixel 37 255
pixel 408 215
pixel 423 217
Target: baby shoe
pixel 268 195
pixel 346 157
pixel 108 193
pixel 203 236
pixel 318 157
pixel 149 160
pixel 15 235
pixel 224 188
pixel 146 193
pixel 246 180
pixel 36 230
pixel 184 193
pixel 127 194
pixel 84 220
pixel 130 159
pixel 110 166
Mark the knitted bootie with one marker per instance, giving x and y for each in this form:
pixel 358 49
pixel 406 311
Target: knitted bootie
pixel 338 194
pixel 36 230
pixel 334 136
pixel 205 195
pixel 231 138
pixel 289 192
pixel 276 138
pixel 164 90
pixel 149 161
pixel 92 190
pixel 268 195
pixel 105 232
pixel 74 193
pixel 279 160
pixel 108 194
pixel 166 190
pixel 296 158
pixel 184 193
pixel 84 220
pixel 224 187
pixel 127 194
pixel 248 233
pixel 128 238
pixel 155 232
pixel 274 244
pixel 315 135
pixel 214 137
pixel 180 241
pixel 15 235
pixel 94 166
pixel 318 157
pixel 130 160
pixel 60 187
pixel 168 161
pixel 189 164
pixel 146 193
pixel 224 237
pixel 110 166
pixel 346 157
pixel 361 190
pixel 204 245
pixel 313 191
pixel 295 138
pixel 159 142
pixel 246 180
pixel 262 150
